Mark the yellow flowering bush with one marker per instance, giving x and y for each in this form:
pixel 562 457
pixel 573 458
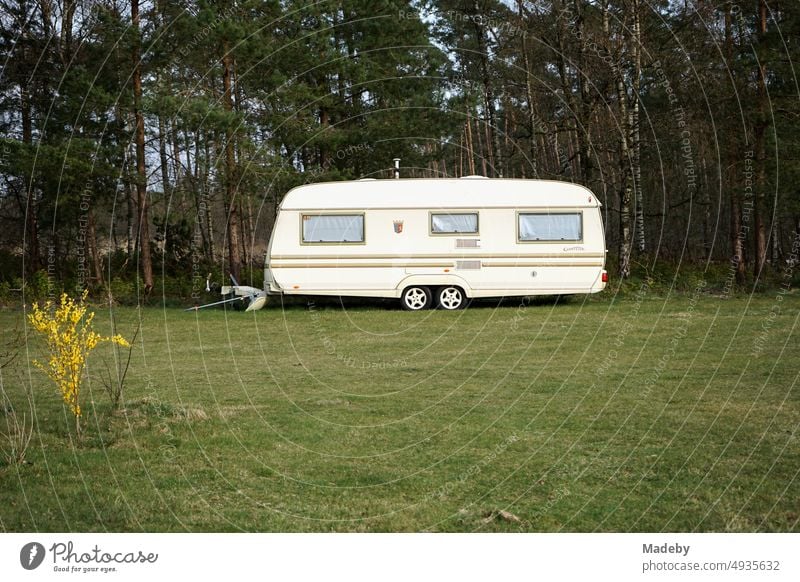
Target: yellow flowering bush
pixel 69 336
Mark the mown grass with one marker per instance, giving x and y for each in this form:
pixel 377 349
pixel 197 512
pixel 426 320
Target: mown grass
pixel 636 413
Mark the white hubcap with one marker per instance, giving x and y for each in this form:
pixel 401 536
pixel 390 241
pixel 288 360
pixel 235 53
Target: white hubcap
pixel 450 298
pixel 416 298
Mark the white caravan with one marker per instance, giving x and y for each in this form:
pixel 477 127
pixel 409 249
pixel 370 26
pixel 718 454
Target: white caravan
pixel 435 242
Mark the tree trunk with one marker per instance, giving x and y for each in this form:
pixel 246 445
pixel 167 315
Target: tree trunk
pixel 177 170
pixel 759 133
pixel 488 130
pixel 162 157
pixel 760 239
pixel 126 184
pixel 231 204
pixel 461 147
pixel 250 239
pixel 775 236
pixel 566 81
pixel 143 231
pixel 587 106
pixel 94 253
pixel 492 137
pixel 636 158
pixel 481 151
pixel 32 258
pixel 323 151
pixel 508 122
pixel 531 117
pixel 705 204
pixel 209 215
pixel 130 194
pixel 67 18
pixel 736 236
pixel 470 147
pixel 191 172
pixel 626 175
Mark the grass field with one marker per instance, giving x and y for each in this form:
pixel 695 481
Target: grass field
pixel 641 413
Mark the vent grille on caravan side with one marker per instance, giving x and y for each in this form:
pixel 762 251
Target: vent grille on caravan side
pixel 466 243
pixel 467 265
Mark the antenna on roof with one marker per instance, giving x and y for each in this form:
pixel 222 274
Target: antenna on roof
pixel 397 168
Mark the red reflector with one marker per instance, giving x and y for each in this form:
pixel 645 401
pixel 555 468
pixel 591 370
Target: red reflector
pixel 605 277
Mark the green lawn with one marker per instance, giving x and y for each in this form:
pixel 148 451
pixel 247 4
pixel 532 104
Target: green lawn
pixel 619 414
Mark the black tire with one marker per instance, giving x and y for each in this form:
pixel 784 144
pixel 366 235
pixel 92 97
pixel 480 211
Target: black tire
pixel 451 298
pixel 416 298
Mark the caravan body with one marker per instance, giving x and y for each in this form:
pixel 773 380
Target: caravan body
pixel 437 241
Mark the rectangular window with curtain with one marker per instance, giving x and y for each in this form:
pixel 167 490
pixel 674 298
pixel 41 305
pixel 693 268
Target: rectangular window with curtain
pixel 561 226
pixel 333 228
pixel 466 223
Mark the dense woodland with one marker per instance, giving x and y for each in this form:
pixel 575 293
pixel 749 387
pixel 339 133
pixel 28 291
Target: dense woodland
pixel 149 141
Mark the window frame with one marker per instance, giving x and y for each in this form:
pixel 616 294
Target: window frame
pixel 363 240
pixel 476 232
pixel 520 240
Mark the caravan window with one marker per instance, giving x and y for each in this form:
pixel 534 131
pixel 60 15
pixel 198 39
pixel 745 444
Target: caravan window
pixel 466 223
pixel 539 227
pixel 333 228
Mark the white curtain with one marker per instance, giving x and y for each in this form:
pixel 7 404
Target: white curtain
pixel 455 223
pixel 556 227
pixel 333 228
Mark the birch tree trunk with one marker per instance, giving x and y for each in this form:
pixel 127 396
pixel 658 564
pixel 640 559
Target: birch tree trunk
pixel 626 185
pixel 636 142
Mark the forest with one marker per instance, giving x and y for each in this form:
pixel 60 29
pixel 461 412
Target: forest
pixel 144 142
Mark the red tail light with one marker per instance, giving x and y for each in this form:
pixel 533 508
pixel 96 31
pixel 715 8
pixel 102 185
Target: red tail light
pixel 604 277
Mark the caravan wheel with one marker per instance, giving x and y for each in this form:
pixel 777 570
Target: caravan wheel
pixel 416 298
pixel 451 298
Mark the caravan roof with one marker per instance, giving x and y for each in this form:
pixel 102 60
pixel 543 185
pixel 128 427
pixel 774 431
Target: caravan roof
pixel 438 193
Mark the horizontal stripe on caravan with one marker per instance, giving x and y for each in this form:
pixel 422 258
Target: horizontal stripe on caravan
pixel 360 265
pixel 420 265
pixel 448 256
pixel 434 208
pixel 593 264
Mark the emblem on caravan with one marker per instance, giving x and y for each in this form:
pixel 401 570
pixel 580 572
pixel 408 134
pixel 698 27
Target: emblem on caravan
pixel 398 226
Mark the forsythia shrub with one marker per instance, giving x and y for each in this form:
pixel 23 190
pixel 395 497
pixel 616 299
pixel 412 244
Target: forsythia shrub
pixel 70 338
